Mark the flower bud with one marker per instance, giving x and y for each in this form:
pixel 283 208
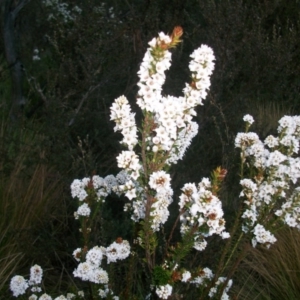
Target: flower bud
pixel 177 32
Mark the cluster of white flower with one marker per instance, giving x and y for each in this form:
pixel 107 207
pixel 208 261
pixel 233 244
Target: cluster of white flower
pixel 183 141
pixel 89 267
pixel 171 128
pixel 36 275
pixel 174 128
pixel 262 236
pixel 107 292
pixel 173 116
pixel 250 213
pixel 276 170
pixel 125 122
pixel 78 188
pixel 129 161
pixel 117 251
pixel 201 66
pixel 152 73
pixel 101 186
pixel 186 276
pixel 170 119
pixel 249 119
pixel 137 207
pixel 290 126
pixel 290 210
pixel 203 277
pixel 202 210
pixel 19 285
pixel 129 188
pixel 36 56
pixel 87 271
pixel 43 297
pixel 48 297
pixel 160 182
pixel 213 291
pixel 100 9
pixel 61 11
pixel 90 270
pixel 83 210
pixel 250 144
pixel 164 291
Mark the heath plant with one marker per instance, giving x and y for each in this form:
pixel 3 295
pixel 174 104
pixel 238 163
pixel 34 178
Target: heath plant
pixel 152 264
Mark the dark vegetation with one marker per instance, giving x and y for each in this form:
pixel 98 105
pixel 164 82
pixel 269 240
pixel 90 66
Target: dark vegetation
pixel 59 128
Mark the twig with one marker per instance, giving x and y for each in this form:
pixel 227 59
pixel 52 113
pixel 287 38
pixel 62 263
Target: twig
pixel 87 94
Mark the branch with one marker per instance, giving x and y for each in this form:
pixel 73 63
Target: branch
pixel 87 94
pixel 18 8
pixel 37 87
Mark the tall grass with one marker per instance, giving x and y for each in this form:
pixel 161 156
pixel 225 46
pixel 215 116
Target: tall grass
pixel 30 192
pixel 267 115
pixel 272 273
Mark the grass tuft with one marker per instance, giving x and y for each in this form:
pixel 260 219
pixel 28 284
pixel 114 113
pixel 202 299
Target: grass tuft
pixel 272 273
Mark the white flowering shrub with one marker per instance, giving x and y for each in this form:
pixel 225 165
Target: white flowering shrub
pixel 61 11
pixel 275 170
pixel 270 171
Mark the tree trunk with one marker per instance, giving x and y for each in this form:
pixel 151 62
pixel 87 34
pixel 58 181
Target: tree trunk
pixel 10 11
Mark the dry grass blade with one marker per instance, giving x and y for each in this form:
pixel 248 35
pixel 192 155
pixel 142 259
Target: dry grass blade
pixel 273 273
pixel 267 115
pixel 27 200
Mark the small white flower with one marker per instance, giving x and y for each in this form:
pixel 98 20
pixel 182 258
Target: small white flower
pixel 249 119
pixel 94 256
pixel 99 276
pixel 117 251
pixel 200 245
pixel 81 294
pixel 45 297
pixel 60 298
pixel 225 235
pixel 102 293
pixel 18 285
pixel 36 274
pixel 36 289
pixel 83 271
pixel 164 291
pixel 186 275
pixel 159 180
pixel 275 158
pixel 262 236
pixel 130 194
pixel 83 210
pixel 271 141
pixel 77 254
